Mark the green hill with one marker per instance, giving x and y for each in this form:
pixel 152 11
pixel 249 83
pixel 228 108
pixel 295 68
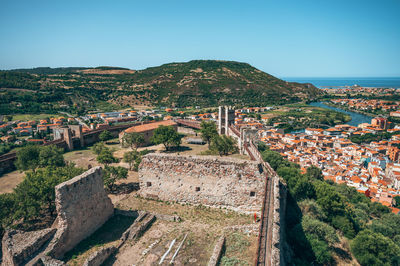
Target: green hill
pixel 194 83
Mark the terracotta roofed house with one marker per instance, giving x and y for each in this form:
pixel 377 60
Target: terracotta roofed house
pixel 148 129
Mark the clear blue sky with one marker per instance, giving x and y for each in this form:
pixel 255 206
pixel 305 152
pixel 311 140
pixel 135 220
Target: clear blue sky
pixel 299 38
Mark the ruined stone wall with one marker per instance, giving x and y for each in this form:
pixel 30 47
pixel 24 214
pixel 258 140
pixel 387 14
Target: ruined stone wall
pixel 82 206
pixel 18 246
pixel 208 180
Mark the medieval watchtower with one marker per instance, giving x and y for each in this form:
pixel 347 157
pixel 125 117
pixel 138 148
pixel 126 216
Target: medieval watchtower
pixel 226 117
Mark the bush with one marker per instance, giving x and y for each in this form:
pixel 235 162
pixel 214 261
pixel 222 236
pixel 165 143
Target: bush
pixel 112 174
pixel 321 251
pixel 388 225
pixel 105 135
pixel 345 225
pixel 223 145
pixel 311 208
pixel 372 248
pixel 319 230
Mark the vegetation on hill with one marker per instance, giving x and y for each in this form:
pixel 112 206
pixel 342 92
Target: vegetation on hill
pixel 195 83
pixel 322 216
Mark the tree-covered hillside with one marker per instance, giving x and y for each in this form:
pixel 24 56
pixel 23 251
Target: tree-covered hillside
pixel 195 83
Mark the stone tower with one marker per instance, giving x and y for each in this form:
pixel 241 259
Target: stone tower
pixel 226 117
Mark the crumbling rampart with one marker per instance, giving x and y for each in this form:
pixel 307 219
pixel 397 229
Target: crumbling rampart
pixel 82 207
pixel 208 180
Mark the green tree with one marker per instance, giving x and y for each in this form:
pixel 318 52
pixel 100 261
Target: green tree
pixel 208 131
pixel 105 135
pixel 34 156
pixel 377 209
pixel 371 248
pixel 112 174
pixel 28 158
pixel 396 201
pixel 275 160
pixel 344 224
pixel 36 195
pixel 320 230
pixel 315 173
pixel 223 145
pixel 167 136
pixel 134 140
pixel 303 189
pixel 133 158
pixel 388 225
pixel 311 208
pixel 98 147
pixel 51 156
pixel 332 202
pixel 106 157
pixel 8 204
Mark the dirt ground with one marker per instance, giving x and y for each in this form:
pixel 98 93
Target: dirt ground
pixel 10 180
pixel 202 225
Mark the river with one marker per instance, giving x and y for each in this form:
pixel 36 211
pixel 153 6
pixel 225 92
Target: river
pixel 356 118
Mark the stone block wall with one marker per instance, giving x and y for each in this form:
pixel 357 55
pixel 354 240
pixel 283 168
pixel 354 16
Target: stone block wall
pixel 82 207
pixel 208 180
pixel 19 247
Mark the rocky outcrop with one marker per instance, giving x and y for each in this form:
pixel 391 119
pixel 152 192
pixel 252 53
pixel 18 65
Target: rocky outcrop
pixel 19 247
pixel 207 180
pixel 82 207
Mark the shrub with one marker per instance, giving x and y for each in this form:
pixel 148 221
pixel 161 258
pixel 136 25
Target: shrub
pixel 372 248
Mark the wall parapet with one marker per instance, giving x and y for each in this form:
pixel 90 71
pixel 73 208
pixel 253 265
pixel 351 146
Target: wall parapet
pixel 276 212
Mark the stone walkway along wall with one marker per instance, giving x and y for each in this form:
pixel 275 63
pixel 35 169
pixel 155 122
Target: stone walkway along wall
pixel 208 180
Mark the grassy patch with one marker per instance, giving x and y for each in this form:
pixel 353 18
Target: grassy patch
pixel 237 246
pixel 200 213
pixel 36 117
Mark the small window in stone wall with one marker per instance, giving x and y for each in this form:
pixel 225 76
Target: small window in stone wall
pixel 197 189
pixel 148 184
pixel 252 193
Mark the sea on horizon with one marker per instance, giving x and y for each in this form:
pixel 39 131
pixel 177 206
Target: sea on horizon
pixel 387 82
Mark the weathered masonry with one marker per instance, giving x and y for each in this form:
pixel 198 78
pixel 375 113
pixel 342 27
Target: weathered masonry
pixel 82 207
pixel 208 180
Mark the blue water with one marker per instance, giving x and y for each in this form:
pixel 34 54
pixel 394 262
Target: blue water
pixel 363 82
pixel 356 118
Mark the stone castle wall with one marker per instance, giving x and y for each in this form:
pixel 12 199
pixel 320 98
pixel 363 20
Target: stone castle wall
pixel 208 180
pixel 82 206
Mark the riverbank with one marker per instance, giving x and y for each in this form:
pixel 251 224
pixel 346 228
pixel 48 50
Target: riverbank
pixel 356 118
pixel 371 115
pixel 296 117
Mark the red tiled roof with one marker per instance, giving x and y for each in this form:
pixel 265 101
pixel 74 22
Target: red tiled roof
pixel 151 126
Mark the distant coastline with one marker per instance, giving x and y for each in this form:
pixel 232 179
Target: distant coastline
pixel 379 82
